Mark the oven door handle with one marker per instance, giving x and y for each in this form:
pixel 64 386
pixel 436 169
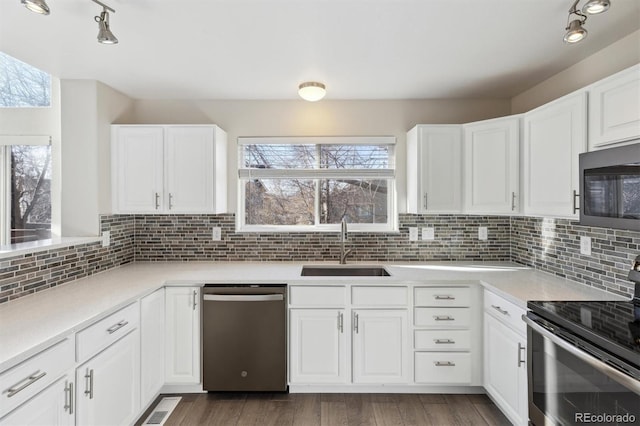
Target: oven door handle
pixel 618 376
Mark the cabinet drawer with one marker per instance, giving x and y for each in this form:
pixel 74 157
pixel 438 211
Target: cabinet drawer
pixel 443 317
pixel 324 296
pixel 442 296
pixel 442 340
pixel 25 380
pixel 443 368
pixel 379 296
pixel 103 333
pixel 505 311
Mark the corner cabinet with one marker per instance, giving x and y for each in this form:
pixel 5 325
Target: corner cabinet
pixel 434 169
pixel 168 169
pixel 614 109
pixel 554 136
pixel 182 338
pixel 492 150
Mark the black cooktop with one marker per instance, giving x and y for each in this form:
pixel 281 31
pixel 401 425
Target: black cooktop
pixel 612 326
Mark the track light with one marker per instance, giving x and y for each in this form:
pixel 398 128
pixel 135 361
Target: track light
pixel 37 6
pixel 105 36
pixel 593 7
pixel 575 27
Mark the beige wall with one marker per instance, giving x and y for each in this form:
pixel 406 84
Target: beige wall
pixel 613 58
pixel 325 118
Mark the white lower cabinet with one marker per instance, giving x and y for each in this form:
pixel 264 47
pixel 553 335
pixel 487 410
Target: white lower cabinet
pixel 380 346
pixel 108 385
pixel 505 372
pixel 52 407
pixel 182 338
pixel 318 346
pixel 151 346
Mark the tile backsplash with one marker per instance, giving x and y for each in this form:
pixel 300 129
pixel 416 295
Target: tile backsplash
pixel 551 245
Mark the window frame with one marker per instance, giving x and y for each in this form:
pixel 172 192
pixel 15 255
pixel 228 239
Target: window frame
pixel 244 175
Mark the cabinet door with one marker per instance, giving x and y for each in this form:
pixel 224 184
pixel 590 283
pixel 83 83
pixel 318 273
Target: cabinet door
pixel 434 169
pixel 505 377
pixel 190 169
pixel 380 347
pixel 182 338
pixel 137 169
pixel 492 166
pixel 52 407
pixel 554 136
pixel 151 346
pixel 318 346
pixel 614 109
pixel 109 384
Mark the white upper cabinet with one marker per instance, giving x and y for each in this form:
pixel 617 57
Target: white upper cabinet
pixel 554 136
pixel 169 169
pixel 492 165
pixel 614 109
pixel 434 169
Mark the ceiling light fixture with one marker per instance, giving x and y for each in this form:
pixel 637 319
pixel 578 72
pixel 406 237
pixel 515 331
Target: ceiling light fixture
pixel 575 31
pixel 105 36
pixel 312 91
pixel 37 6
pixel 593 7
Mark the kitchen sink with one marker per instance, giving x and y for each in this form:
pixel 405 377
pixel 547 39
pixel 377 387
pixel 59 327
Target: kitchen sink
pixel 344 271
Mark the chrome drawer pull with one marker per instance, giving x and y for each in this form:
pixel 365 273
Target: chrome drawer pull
pixel 117 326
pixel 443 341
pixel 439 297
pixel 502 311
pixel 29 381
pixel 445 364
pixel 443 318
pixel 89 386
pixel 356 323
pixel 341 322
pixel 68 390
pixel 520 349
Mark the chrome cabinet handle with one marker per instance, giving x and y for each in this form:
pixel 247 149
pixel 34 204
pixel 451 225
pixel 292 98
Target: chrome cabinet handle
pixel 443 318
pixel 443 341
pixel 170 201
pixel 513 201
pixel 502 311
pixel 425 201
pixel 575 207
pixel 341 322
pixel 356 326
pixel 446 297
pixel 117 326
pixel 445 364
pixel 195 294
pixel 25 383
pixel 157 201
pixel 520 349
pixel 68 390
pixel 89 384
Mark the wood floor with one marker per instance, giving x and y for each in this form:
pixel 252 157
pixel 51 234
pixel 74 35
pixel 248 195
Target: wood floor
pixel 334 409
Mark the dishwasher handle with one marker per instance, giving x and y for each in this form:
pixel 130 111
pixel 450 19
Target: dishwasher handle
pixel 243 297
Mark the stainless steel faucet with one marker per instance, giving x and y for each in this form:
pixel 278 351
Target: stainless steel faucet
pixel 343 239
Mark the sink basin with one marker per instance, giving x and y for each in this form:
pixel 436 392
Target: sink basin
pixel 344 271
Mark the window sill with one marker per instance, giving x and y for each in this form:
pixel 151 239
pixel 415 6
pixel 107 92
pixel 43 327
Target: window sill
pixel 43 245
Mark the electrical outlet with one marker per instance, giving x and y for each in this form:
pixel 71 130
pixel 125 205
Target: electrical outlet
pixel 428 234
pixel 216 233
pixel 483 233
pixel 106 238
pixel 585 246
pixel 413 234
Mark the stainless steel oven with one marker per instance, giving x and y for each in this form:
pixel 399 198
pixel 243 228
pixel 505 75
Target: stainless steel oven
pixel 610 187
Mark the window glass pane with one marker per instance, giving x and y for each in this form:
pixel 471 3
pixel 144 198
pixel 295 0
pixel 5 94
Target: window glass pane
pixel 285 156
pixel 30 193
pixel 279 202
pixel 354 156
pixel 22 85
pixel 358 200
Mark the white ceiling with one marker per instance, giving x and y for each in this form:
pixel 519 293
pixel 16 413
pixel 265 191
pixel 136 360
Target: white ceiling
pixel 262 49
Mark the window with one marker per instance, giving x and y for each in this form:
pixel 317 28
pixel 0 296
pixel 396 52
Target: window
pixel 22 85
pixel 25 189
pixel 306 184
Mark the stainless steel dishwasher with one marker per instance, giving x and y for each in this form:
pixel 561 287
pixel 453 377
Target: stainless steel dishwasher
pixel 244 337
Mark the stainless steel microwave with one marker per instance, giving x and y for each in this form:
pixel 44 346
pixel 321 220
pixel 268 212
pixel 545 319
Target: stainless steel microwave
pixel 610 188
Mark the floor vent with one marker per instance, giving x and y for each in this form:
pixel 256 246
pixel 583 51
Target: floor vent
pixel 162 411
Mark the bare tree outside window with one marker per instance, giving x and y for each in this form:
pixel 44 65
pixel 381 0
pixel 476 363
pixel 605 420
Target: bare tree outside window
pixel 22 85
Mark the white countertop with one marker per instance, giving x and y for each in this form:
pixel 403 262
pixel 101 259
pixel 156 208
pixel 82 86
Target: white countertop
pixel 31 323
